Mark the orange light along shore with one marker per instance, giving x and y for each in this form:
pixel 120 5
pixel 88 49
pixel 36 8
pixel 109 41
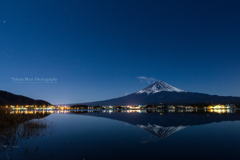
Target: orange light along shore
pixel 14 107
pixel 219 106
pixel 31 109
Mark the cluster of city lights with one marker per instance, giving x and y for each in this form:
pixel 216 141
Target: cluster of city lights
pixel 33 109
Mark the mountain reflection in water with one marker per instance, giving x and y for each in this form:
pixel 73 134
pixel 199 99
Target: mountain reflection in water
pixel 162 125
pixel 118 134
pixel 161 132
pixel 167 122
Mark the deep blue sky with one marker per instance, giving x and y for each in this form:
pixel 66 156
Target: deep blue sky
pixel 97 48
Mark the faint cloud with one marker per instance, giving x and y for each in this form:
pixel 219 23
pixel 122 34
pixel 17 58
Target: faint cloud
pixel 126 93
pixel 148 80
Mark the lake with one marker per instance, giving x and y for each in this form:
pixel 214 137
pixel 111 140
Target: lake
pixel 120 135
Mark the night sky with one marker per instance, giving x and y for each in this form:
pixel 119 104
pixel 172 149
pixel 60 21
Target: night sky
pixel 101 49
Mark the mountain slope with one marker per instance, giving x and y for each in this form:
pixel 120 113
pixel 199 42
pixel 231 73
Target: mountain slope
pixel 163 93
pixel 7 98
pixel 159 86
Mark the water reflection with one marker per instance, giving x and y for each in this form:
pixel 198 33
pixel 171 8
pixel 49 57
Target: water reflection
pixel 43 111
pixel 163 123
pixel 50 111
pixel 139 134
pixel 22 126
pixel 216 110
pixel 161 132
pixel 171 120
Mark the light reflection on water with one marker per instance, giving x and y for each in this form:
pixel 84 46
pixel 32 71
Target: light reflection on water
pixel 220 111
pixel 121 134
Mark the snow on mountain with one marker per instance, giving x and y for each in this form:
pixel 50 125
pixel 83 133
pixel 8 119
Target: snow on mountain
pixel 160 131
pixel 159 86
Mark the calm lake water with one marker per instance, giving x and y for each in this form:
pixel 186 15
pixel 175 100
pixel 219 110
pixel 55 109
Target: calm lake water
pixel 146 134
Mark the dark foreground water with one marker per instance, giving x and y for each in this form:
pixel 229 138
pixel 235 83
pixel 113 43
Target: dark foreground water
pixel 162 134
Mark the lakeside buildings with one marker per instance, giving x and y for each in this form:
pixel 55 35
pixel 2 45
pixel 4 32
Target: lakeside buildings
pixel 111 107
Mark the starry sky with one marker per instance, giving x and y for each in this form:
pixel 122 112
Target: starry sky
pixel 104 49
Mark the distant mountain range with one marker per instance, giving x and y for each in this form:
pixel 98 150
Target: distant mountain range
pixel 162 93
pixel 158 93
pixel 7 98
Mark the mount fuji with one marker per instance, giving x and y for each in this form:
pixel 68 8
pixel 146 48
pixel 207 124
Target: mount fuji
pixel 159 86
pixel 162 93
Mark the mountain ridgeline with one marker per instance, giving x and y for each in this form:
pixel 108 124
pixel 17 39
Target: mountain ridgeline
pixel 162 93
pixel 7 98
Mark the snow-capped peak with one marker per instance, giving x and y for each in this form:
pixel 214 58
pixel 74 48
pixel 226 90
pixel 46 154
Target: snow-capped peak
pixel 160 131
pixel 159 86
